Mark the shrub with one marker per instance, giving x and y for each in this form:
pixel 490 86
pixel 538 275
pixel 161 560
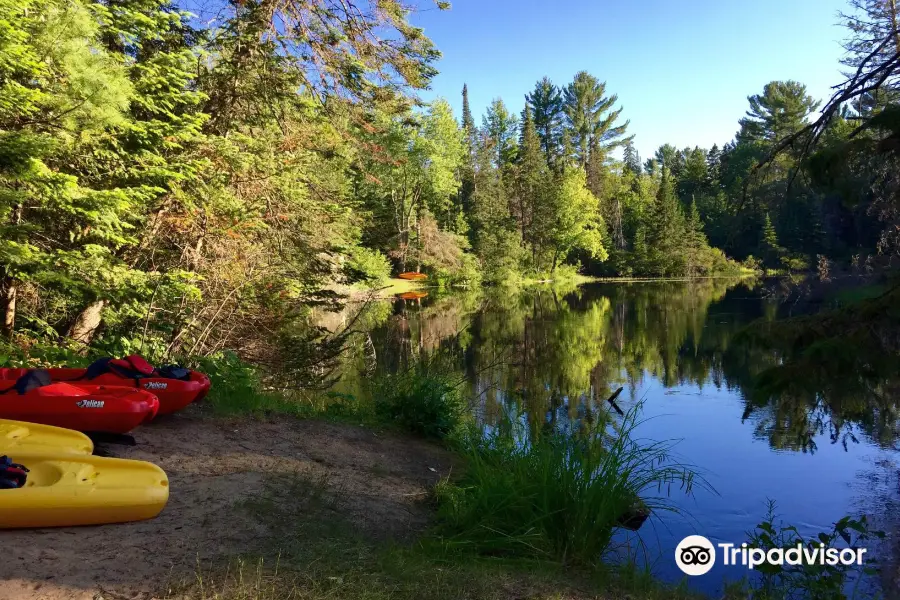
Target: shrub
pixel 753 264
pixel 424 400
pixel 795 263
pixel 368 266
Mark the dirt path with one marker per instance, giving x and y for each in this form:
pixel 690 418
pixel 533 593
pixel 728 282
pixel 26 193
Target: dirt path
pixel 215 466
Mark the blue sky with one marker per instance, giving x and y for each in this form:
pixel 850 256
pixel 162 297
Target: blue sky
pixel 682 68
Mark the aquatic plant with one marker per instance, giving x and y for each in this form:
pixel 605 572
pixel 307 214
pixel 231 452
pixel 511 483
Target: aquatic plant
pixel 557 495
pixel 808 581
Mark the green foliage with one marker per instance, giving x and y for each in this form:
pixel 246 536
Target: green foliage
pixel 779 111
pixel 591 119
pixel 819 581
pixel 425 400
pixel 795 263
pixel 555 495
pixel 546 104
pixel 574 219
pixel 368 266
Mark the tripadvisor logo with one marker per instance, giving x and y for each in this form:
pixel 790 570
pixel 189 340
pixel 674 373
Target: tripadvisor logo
pixel 696 555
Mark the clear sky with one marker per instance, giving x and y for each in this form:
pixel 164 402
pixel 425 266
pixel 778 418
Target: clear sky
pixel 682 68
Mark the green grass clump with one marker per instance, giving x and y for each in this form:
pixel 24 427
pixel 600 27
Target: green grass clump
pixel 556 496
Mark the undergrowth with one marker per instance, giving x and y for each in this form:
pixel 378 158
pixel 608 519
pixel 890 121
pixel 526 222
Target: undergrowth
pixel 424 400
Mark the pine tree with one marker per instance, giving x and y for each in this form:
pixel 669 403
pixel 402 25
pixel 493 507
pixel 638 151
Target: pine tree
pixel 591 120
pixel 632 159
pixel 713 166
pixel 669 159
pixel 781 110
pixel 468 121
pixel 547 110
pixel 502 127
pixel 530 182
pixel 696 244
pixel 694 176
pixel 770 251
pixel 467 171
pixel 60 86
pixel 665 231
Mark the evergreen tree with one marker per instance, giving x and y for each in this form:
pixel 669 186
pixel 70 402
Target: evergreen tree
pixel 769 249
pixel 781 110
pixel 546 105
pixel 669 159
pixel 632 159
pixel 468 121
pixel 696 247
pixel 531 177
pixel 467 170
pixel 713 166
pixel 591 122
pixel 694 176
pixel 59 85
pixel 497 242
pixel 665 231
pixel 871 22
pixel 501 126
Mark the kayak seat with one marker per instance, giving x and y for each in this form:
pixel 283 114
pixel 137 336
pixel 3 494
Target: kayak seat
pixel 174 372
pixel 31 380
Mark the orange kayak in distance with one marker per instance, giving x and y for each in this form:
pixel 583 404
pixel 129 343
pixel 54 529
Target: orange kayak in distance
pixel 413 276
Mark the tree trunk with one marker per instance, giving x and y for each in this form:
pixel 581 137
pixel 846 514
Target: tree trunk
pixel 10 288
pixel 87 322
pixel 892 7
pixel 10 294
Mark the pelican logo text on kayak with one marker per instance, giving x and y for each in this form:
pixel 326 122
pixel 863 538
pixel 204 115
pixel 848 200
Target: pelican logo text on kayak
pixel 89 404
pixel 156 385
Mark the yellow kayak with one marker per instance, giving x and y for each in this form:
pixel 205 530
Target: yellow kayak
pixel 18 436
pixel 64 490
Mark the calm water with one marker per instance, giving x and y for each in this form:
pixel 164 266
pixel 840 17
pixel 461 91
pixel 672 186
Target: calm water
pixel 556 355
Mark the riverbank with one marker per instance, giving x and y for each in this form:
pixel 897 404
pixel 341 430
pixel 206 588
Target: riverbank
pixel 282 496
pixel 394 286
pixel 272 508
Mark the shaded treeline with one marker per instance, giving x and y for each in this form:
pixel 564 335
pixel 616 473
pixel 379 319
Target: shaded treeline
pixel 557 355
pixel 180 186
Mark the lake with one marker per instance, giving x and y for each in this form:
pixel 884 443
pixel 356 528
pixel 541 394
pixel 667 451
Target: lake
pixel 555 355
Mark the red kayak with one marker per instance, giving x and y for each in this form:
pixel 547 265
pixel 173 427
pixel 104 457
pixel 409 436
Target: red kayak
pixel 29 395
pixel 175 387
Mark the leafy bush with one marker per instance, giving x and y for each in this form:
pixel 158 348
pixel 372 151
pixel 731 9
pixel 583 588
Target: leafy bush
pixel 368 266
pixel 753 264
pixel 423 400
pixel 467 273
pixel 556 495
pixel 795 263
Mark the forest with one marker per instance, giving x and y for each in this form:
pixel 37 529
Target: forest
pixel 184 187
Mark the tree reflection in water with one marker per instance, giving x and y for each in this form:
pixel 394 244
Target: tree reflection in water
pixel 553 355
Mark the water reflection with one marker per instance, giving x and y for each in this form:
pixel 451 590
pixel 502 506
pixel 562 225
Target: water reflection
pixel 762 421
pixel 557 348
